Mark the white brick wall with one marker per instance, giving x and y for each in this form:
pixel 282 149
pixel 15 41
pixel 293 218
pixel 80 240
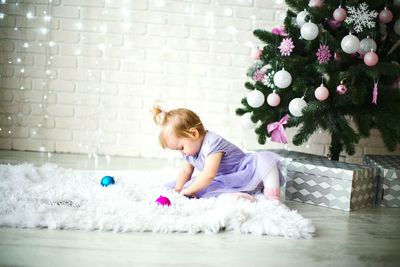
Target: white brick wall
pixel 111 59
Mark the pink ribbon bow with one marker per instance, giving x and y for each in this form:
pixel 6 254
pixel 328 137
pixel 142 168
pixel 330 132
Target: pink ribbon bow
pixel 279 31
pixel 278 132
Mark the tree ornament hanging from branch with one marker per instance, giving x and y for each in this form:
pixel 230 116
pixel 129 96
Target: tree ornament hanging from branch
pixel 375 93
pixel 323 54
pixel 361 17
pixel 286 46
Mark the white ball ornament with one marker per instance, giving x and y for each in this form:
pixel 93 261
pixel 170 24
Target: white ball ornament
pixel 366 45
pixel 397 27
pixel 301 18
pixel 246 121
pixel 350 44
pixel 309 31
pixel 296 106
pixel 255 98
pixel 282 79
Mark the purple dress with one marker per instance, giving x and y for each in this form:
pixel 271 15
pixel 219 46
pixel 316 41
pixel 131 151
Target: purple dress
pixel 238 171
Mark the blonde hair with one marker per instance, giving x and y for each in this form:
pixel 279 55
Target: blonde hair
pixel 181 121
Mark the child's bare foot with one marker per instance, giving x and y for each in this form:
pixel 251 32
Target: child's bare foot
pixel 241 195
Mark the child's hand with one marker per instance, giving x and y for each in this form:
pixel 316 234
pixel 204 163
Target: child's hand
pixel 186 193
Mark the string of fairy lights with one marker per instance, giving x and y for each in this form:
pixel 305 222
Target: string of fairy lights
pixel 36 93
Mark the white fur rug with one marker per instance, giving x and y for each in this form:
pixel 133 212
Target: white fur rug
pixel 57 198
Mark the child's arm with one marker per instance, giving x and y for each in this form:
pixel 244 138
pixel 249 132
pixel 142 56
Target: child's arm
pixel 184 175
pixel 211 166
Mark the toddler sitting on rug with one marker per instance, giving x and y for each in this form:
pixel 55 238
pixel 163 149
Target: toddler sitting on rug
pixel 224 168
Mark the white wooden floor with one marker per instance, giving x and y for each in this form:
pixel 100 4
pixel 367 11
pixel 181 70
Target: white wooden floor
pixel 368 237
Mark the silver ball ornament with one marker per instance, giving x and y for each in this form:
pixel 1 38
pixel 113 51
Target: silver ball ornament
pixel 350 44
pixel 309 31
pixel 282 79
pixel 397 27
pixel 255 98
pixel 296 107
pixel 366 45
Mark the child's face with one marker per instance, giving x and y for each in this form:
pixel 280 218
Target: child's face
pixel 187 146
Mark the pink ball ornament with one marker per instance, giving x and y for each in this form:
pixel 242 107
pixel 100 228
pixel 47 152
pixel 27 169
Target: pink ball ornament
pixel 334 24
pixel 339 14
pixel 321 93
pixel 341 89
pixel 385 16
pixel 316 3
pixel 256 54
pixel 273 99
pixel 163 201
pixel 371 59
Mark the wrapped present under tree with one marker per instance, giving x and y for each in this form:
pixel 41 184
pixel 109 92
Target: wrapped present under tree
pixel 331 184
pixel 388 189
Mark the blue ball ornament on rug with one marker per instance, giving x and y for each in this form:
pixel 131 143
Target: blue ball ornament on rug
pixel 107 180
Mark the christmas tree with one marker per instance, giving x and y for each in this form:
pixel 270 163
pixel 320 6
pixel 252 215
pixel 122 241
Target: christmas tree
pixel 333 65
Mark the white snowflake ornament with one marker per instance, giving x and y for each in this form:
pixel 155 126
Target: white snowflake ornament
pixel 269 79
pixel 361 17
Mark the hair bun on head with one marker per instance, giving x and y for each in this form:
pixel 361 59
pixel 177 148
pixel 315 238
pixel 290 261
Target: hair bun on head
pixel 158 115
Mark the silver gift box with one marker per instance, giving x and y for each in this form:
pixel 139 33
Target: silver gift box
pixel 332 184
pixel 388 188
pixel 288 156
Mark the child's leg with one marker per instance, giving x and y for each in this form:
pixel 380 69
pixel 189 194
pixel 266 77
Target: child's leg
pixel 271 184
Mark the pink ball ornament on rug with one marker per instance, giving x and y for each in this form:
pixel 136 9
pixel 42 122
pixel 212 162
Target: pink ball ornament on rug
pixel 340 14
pixel 163 201
pixel 321 93
pixel 341 89
pixel 371 59
pixel 273 99
pixel 256 54
pixel 385 16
